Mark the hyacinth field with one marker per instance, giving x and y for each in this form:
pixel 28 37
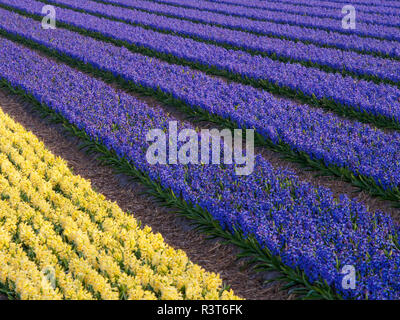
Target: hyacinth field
pixel 300 176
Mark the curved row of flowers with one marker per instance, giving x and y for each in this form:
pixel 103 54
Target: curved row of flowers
pixel 319 37
pixel 364 150
pixel 378 6
pixel 305 226
pixel 331 25
pixel 376 99
pixel 393 21
pixel 52 221
pixel 364 65
pixel 305 9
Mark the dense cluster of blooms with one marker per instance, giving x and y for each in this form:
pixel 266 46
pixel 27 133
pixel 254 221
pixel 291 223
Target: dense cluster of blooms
pixel 386 7
pixel 334 58
pixel 377 6
pixel 363 29
pixel 306 226
pixel 362 149
pixel 362 95
pixel 313 10
pixel 393 21
pixel 319 37
pixel 53 221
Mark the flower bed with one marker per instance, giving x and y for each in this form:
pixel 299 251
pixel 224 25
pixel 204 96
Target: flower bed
pixel 365 151
pixel 52 222
pixel 305 226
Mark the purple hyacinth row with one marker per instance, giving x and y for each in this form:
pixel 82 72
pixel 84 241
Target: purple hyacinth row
pixel 337 59
pixel 324 136
pixel 194 13
pixel 305 226
pixel 350 42
pixel 376 99
pixel 329 24
pixel 367 3
pixel 363 29
pixel 374 18
pixel 387 3
pixel 378 7
pixel 322 3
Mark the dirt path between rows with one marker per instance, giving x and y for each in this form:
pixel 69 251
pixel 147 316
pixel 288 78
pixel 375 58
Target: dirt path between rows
pixel 336 185
pixel 212 255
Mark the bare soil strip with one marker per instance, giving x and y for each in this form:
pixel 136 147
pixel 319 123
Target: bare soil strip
pixel 337 186
pixel 212 255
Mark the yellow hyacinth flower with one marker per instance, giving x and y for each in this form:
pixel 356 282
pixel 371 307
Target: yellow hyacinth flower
pixel 59 239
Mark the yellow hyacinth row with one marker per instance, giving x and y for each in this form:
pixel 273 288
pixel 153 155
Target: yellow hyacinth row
pixel 59 239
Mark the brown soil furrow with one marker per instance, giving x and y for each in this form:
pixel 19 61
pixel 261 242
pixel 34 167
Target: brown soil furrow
pixel 212 255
